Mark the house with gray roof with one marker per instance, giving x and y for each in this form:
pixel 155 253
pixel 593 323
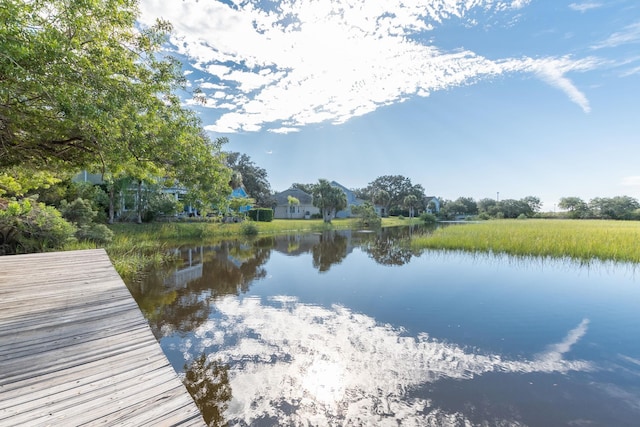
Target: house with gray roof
pixel 284 209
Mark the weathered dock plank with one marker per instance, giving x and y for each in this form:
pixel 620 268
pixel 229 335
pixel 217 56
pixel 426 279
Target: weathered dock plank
pixel 75 349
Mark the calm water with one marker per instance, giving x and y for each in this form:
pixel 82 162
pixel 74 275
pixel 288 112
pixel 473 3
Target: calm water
pixel 348 328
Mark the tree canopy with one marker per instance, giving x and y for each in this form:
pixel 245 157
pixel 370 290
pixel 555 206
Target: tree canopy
pixel 390 191
pixel 82 87
pixel 328 199
pixel 252 177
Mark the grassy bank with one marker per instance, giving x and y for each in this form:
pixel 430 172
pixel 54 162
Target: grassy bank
pixel 138 247
pixel 577 239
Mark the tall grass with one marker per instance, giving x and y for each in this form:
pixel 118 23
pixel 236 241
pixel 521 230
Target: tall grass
pixel 139 247
pixel 581 240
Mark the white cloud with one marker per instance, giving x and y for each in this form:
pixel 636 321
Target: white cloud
pixel 335 366
pixel 209 85
pixel 554 70
pixel 300 62
pixel 631 72
pixel 584 7
pixel 629 34
pixel 284 130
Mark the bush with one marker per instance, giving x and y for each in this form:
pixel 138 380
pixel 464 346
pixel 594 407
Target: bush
pixel 428 218
pixel 484 216
pixel 80 212
pixel 97 233
pixel 261 214
pixel 522 216
pixel 27 226
pixel 248 228
pixel 367 215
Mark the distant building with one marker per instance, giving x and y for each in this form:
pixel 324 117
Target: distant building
pixel 283 209
pixel 352 200
pixel 240 192
pixel 433 204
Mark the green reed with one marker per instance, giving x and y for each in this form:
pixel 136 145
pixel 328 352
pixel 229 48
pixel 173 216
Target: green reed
pixel 582 240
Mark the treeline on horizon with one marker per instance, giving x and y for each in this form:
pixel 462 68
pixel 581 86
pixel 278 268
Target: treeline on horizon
pixel 616 208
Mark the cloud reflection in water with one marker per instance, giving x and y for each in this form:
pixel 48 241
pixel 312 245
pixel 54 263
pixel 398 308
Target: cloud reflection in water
pixel 299 363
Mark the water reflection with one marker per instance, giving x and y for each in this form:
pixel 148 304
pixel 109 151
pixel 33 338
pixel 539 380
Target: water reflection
pixel 298 363
pixel 328 329
pixel 181 299
pixel 331 249
pixel 208 383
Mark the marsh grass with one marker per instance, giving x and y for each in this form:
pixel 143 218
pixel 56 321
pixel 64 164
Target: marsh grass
pixel 581 240
pixel 137 248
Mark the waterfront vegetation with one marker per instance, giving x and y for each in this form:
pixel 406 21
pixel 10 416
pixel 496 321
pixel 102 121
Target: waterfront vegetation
pixel 139 247
pixel 582 240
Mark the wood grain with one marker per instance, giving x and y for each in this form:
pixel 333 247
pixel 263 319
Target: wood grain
pixel 76 350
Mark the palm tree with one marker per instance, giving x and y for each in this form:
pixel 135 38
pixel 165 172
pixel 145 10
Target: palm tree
pixel 410 202
pixel 293 201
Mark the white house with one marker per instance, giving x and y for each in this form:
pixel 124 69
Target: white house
pixel 284 209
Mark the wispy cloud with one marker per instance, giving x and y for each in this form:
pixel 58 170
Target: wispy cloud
pixel 584 7
pixel 292 63
pixel 554 71
pixel 629 34
pixel 335 366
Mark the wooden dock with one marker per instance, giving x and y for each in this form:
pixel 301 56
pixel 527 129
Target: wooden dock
pixel 76 350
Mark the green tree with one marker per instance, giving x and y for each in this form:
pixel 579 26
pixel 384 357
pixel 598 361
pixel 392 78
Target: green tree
pixel 307 188
pixel 381 197
pixel 367 215
pixel 328 199
pixel 397 187
pixel 533 203
pixel 253 178
pixel 292 201
pixel 238 202
pixel 410 202
pixel 488 206
pixel 619 207
pixel 82 87
pixel 576 207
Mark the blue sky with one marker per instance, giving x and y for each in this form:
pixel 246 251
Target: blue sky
pixel 465 97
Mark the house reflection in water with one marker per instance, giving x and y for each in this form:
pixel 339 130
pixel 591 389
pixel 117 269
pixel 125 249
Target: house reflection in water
pixel 191 270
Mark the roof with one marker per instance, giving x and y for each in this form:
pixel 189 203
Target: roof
pixel 282 198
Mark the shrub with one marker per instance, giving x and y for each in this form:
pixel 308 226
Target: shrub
pixel 97 233
pixel 522 216
pixel 484 216
pixel 428 218
pixel 27 226
pixel 261 214
pixel 367 215
pixel 248 228
pixel 80 212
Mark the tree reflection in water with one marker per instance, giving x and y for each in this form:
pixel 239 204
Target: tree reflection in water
pixel 182 298
pixel 385 250
pixel 226 269
pixel 331 249
pixel 208 384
